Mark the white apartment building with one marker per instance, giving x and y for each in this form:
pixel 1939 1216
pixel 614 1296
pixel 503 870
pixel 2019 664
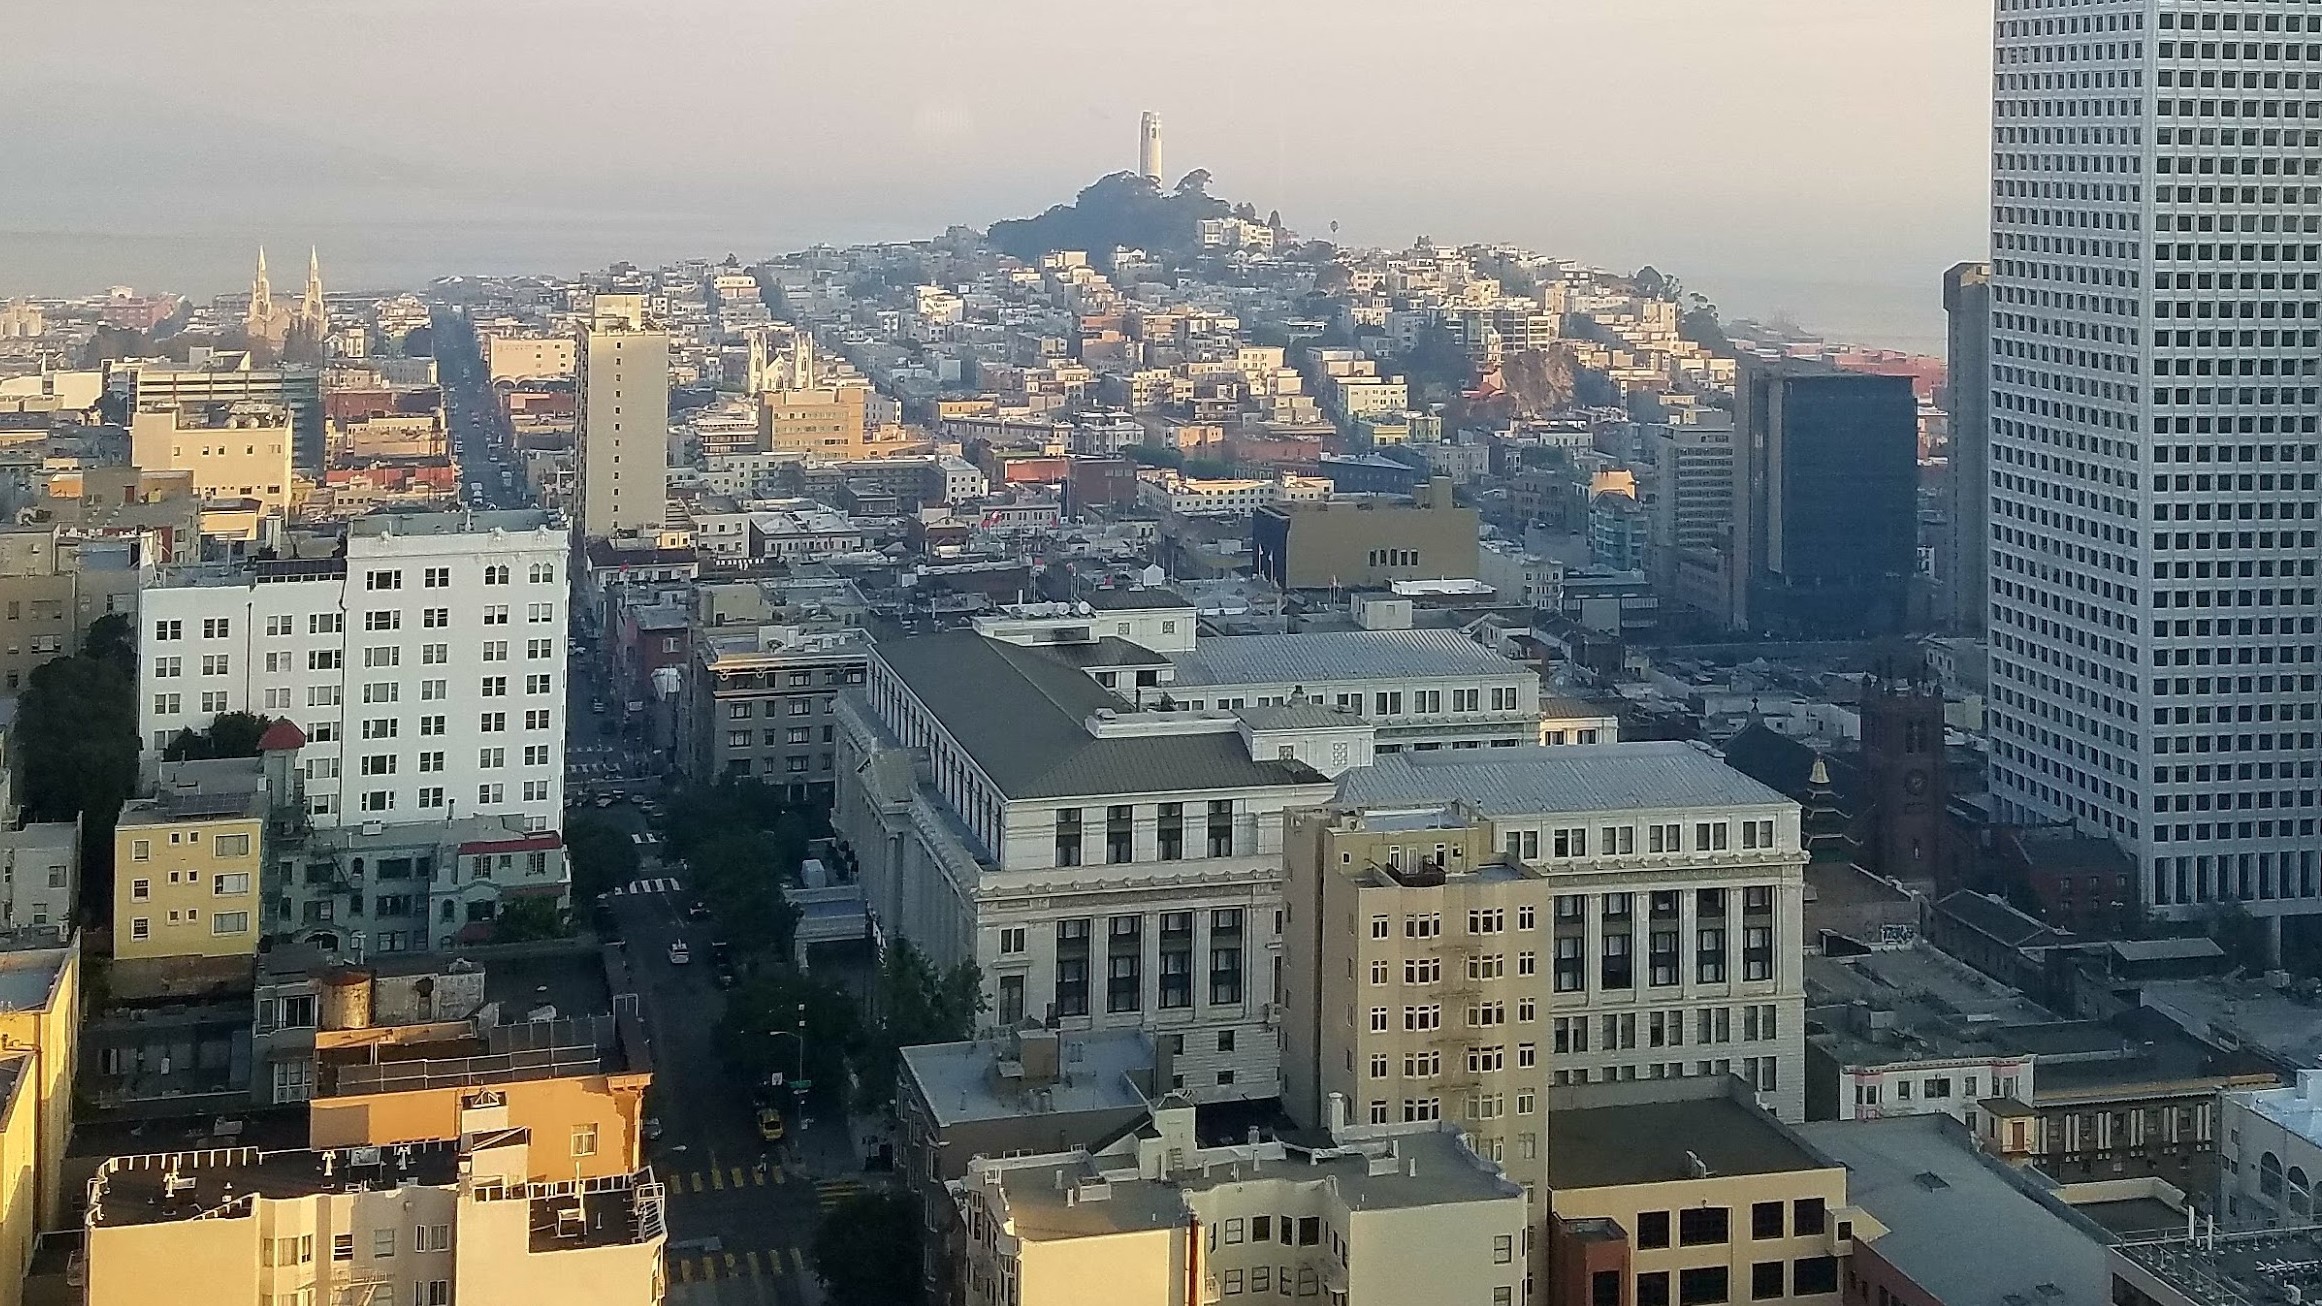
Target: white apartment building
pixel 621 455
pixel 1661 892
pixel 1106 867
pixel 426 667
pixel 2153 438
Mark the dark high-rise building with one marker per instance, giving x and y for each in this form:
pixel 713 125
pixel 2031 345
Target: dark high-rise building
pixel 1825 500
pixel 1963 569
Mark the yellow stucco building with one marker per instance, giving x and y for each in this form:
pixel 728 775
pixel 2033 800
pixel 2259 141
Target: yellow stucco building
pixel 832 422
pixel 40 1021
pixel 420 1224
pixel 186 864
pixel 1159 1220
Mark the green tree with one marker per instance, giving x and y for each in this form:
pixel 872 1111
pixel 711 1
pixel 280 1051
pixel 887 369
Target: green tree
pixel 77 727
pixel 526 919
pixel 229 734
pixel 600 853
pixel 914 1003
pixel 1154 455
pixel 866 1251
pixel 771 1007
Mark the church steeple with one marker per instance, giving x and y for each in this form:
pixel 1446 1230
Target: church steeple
pixel 258 323
pixel 314 319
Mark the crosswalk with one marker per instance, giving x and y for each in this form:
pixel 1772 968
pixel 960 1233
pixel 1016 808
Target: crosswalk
pixel 658 884
pixel 830 1193
pixel 719 1178
pixel 756 1263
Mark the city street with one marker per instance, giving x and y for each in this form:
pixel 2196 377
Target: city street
pixel 741 1215
pixel 478 431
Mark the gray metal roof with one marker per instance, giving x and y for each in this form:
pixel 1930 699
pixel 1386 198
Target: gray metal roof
pixel 1020 713
pixel 1320 656
pixel 1650 775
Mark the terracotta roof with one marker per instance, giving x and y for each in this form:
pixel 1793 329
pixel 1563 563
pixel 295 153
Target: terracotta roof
pixel 283 736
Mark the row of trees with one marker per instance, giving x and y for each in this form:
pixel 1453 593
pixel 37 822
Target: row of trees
pixel 78 718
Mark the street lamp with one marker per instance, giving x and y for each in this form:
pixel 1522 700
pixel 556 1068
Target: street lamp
pixel 799 1081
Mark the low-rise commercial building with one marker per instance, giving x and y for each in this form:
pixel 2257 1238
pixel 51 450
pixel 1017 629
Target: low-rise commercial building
pixel 235 451
pixel 1932 1193
pixel 2271 1162
pixel 1684 1191
pixel 1026 1092
pixel 1365 542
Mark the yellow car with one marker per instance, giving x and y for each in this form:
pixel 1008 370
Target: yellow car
pixel 770 1125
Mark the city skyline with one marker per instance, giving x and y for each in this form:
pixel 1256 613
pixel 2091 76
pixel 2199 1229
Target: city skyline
pixel 465 170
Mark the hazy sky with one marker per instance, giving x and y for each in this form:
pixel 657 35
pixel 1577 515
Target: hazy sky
pixel 1826 157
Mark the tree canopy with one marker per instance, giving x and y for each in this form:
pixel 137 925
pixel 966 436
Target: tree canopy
pixel 914 1003
pixel 1120 210
pixel 866 1251
pixel 229 734
pixel 79 717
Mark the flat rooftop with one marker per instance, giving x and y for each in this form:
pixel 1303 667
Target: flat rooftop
pixel 32 960
pixel 1534 780
pixel 1654 1142
pixel 2241 1269
pixel 1430 1168
pixel 452 523
pixel 1322 656
pixel 139 1189
pixel 2297 1108
pixel 1922 1178
pixel 1938 1008
pixel 542 1049
pixel 2246 1013
pixel 982 1080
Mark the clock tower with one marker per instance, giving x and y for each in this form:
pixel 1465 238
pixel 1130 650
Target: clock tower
pixel 1902 749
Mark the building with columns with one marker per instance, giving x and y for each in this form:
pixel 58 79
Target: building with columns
pixel 1652 895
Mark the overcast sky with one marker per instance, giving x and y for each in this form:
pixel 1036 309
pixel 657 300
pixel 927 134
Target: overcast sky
pixel 1821 156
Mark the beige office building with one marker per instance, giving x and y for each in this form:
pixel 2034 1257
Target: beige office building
pixel 831 423
pixel 1624 911
pixel 622 467
pixel 420 1224
pixel 235 450
pixel 530 358
pixel 1366 541
pixel 1416 978
pixel 1376 1218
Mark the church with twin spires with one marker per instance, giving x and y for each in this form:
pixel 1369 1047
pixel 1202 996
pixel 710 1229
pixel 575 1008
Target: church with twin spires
pixel 281 327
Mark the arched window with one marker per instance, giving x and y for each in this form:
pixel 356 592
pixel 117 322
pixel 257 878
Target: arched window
pixel 2301 1194
pixel 2270 1176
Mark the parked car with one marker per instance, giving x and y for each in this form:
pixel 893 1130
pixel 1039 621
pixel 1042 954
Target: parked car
pixel 679 954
